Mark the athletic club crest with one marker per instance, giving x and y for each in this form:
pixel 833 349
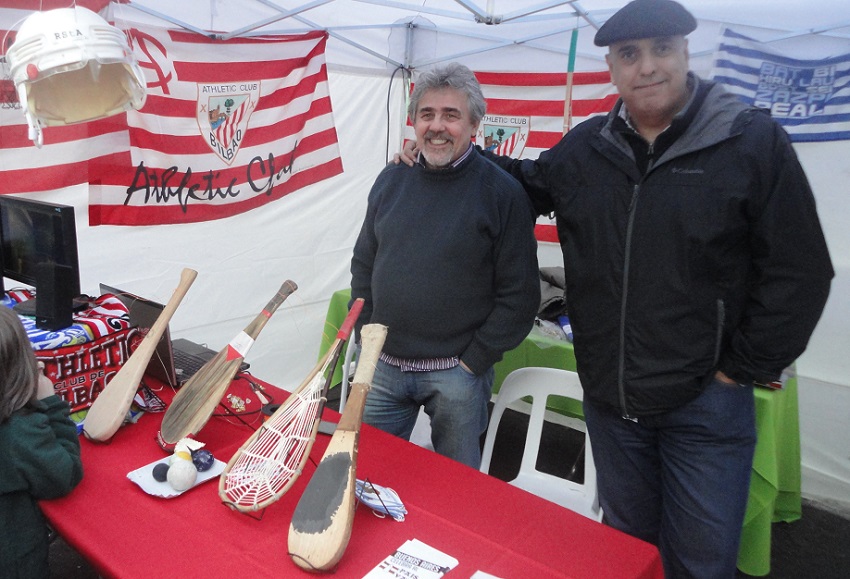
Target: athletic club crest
pixel 503 135
pixel 223 113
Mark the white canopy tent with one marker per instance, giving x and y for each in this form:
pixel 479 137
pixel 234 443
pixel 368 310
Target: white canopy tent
pixel 308 235
pixel 491 35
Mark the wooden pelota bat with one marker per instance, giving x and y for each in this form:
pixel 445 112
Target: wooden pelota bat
pixel 196 400
pixel 322 521
pixel 107 413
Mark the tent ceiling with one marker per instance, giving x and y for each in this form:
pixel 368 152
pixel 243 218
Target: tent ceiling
pixel 522 35
pixel 495 34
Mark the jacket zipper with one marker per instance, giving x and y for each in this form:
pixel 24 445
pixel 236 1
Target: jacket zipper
pixel 721 320
pixel 621 370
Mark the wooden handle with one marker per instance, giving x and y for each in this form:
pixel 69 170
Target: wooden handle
pixel 372 338
pixel 348 324
pixel 107 413
pixel 322 521
pixel 287 289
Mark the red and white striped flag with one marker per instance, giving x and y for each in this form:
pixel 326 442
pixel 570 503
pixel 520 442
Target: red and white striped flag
pixel 228 126
pixel 526 114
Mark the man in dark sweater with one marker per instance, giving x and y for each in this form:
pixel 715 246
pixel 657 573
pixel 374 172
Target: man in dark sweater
pixel 447 259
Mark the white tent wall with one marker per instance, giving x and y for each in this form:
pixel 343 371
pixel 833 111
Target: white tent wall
pixel 824 369
pixel 308 235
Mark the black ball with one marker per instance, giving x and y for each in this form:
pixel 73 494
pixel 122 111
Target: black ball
pixel 160 472
pixel 203 459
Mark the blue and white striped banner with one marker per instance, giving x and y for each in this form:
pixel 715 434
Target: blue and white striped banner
pixel 809 98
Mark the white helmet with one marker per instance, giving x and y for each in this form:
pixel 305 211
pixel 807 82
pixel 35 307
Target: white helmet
pixel 70 66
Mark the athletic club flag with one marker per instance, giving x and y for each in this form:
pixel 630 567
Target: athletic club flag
pixel 228 126
pixel 526 115
pixel 809 98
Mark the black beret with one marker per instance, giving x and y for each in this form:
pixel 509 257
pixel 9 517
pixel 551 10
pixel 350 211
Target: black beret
pixel 646 19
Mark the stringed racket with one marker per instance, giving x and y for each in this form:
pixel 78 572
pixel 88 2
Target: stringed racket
pixel 271 460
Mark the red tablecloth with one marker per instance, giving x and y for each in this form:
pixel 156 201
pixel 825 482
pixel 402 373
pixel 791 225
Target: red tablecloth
pixel 483 522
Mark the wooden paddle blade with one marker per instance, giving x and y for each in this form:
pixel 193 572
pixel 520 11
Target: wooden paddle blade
pixel 111 406
pixel 322 521
pixel 196 400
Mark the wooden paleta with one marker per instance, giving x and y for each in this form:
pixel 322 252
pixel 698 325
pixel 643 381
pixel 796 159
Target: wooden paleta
pixel 107 412
pixel 321 524
pixel 195 401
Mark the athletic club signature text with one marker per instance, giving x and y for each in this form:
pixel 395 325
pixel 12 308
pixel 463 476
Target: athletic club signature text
pixel 161 186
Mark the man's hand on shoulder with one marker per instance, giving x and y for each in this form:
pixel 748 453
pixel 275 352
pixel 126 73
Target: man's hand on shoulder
pixel 408 154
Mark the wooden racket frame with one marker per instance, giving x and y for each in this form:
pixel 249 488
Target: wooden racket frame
pixel 275 423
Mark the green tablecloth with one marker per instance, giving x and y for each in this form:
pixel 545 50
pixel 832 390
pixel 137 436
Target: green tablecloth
pixel 775 484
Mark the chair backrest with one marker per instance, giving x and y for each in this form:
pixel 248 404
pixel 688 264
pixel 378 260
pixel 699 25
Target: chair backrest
pixel 539 384
pixel 348 366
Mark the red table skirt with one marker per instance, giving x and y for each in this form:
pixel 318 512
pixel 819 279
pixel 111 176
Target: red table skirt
pixel 483 522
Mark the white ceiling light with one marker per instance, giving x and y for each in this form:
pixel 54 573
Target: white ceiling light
pixel 69 65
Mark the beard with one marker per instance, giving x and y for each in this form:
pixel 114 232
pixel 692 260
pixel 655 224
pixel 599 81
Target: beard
pixel 437 159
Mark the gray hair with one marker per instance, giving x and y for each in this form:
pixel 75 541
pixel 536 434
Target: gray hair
pixel 18 365
pixel 452 75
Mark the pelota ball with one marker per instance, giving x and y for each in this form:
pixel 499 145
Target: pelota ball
pixel 160 472
pixel 203 459
pixel 182 475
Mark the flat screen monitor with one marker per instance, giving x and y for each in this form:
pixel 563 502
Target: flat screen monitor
pixel 34 234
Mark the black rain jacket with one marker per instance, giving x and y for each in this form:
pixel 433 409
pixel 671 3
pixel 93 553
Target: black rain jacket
pixel 713 259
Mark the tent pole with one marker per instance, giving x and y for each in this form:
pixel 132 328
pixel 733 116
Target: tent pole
pixel 568 100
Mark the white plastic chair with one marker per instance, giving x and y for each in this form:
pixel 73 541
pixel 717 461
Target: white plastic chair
pixel 539 384
pixel 348 366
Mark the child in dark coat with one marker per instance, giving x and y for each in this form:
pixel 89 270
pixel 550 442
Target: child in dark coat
pixel 39 452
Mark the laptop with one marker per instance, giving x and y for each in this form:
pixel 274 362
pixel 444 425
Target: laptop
pixel 189 357
pixel 143 314
pixel 173 362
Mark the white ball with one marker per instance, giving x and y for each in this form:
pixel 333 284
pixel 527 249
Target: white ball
pixel 182 475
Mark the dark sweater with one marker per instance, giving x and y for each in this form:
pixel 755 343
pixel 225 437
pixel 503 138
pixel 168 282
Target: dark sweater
pixel 448 261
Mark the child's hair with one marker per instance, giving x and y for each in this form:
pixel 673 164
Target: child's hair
pixel 18 365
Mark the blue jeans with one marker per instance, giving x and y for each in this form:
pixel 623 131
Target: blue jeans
pixel 454 399
pixel 679 480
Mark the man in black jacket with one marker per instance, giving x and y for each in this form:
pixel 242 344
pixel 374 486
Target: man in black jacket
pixel 695 266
